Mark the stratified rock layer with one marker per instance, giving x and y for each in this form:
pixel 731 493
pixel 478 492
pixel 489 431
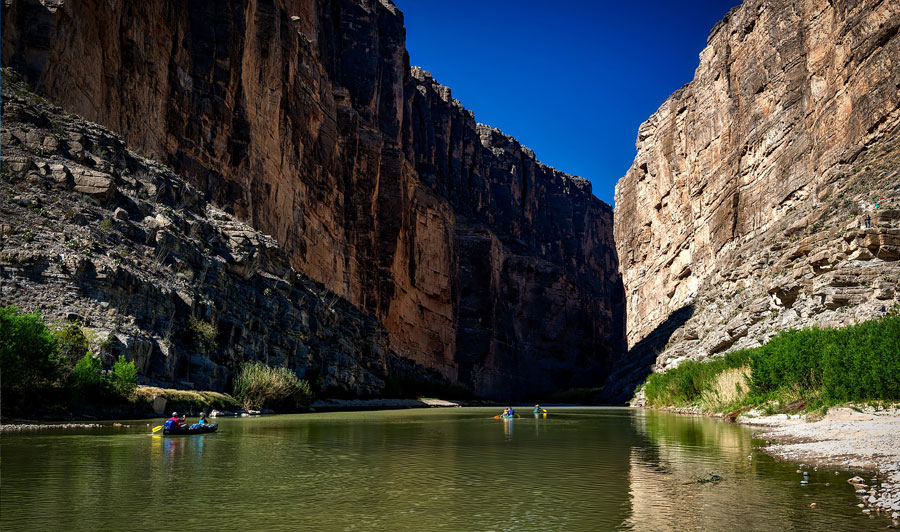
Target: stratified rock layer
pixel 305 119
pixel 751 183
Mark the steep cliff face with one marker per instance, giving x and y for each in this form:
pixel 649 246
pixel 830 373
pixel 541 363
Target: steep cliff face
pixel 93 233
pixel 305 119
pixel 750 186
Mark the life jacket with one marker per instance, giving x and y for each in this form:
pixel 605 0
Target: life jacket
pixel 172 423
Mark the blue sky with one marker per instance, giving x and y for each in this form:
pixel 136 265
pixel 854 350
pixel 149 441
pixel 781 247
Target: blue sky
pixel 571 80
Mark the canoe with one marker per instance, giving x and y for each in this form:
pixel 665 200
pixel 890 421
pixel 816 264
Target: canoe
pixel 188 431
pixel 504 416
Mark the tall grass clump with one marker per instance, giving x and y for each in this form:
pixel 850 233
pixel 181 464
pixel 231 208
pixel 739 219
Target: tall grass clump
pixel 258 385
pixel 684 385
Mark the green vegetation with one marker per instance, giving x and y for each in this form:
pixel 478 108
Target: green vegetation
pixel 87 379
pixel 258 385
pixel 124 377
pixel 28 353
pixel 798 369
pixel 188 400
pixel 42 368
pixel 202 335
pixel 684 385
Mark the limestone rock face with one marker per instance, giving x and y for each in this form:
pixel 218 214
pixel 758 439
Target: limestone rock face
pixel 751 183
pixel 305 120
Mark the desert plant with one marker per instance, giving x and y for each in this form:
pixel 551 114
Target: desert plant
pixel 258 385
pixel 203 335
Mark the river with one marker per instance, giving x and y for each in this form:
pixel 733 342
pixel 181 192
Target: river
pixel 578 469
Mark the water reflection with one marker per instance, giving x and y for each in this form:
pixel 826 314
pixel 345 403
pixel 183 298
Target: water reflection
pixel 509 426
pixel 674 482
pixel 578 470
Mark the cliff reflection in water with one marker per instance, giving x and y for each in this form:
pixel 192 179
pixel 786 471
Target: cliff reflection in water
pixel 674 482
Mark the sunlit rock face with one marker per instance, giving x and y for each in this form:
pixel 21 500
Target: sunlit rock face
pixel 748 195
pixel 305 120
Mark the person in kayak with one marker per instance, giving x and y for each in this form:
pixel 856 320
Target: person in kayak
pixel 202 422
pixel 512 412
pixel 175 422
pixel 538 409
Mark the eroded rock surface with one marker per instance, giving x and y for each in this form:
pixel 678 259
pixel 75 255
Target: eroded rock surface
pixel 748 196
pixel 137 257
pixel 305 120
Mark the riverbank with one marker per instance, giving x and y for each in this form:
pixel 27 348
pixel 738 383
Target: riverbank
pixel 863 438
pixel 192 402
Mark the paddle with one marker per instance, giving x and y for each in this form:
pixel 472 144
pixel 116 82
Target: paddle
pixel 157 429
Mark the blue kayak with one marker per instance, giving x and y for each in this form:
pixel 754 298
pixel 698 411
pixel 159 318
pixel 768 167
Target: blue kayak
pixel 188 431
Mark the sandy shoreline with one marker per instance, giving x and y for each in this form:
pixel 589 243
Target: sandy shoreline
pixel 845 438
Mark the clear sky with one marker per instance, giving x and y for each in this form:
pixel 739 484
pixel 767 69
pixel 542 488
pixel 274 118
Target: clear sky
pixel 571 79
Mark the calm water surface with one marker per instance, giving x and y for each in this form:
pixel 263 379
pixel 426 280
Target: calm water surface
pixel 579 469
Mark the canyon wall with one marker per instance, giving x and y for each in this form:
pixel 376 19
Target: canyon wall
pixel 94 235
pixel 304 119
pixel 744 210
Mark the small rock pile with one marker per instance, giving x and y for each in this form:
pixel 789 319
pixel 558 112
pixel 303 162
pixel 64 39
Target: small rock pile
pixel 881 496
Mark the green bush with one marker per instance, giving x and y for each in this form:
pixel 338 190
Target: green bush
pixel 27 350
pixel 258 385
pixel 87 379
pixel 124 377
pixel 854 363
pixel 72 345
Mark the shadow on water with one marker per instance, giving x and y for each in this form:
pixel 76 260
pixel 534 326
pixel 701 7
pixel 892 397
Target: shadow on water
pixel 635 365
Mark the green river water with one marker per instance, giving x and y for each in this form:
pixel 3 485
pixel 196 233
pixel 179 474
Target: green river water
pixel 579 469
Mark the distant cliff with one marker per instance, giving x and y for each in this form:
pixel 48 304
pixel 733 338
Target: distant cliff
pixel 744 211
pixel 305 120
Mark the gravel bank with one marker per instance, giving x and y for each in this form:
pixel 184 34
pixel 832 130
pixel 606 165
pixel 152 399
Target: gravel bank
pixel 25 427
pixel 844 438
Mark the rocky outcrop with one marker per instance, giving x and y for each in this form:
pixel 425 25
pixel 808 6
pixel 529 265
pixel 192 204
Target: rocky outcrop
pixel 305 120
pixel 748 195
pixel 92 233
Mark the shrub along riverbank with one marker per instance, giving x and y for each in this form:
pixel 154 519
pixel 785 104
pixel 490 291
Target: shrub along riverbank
pixel 51 372
pixel 796 370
